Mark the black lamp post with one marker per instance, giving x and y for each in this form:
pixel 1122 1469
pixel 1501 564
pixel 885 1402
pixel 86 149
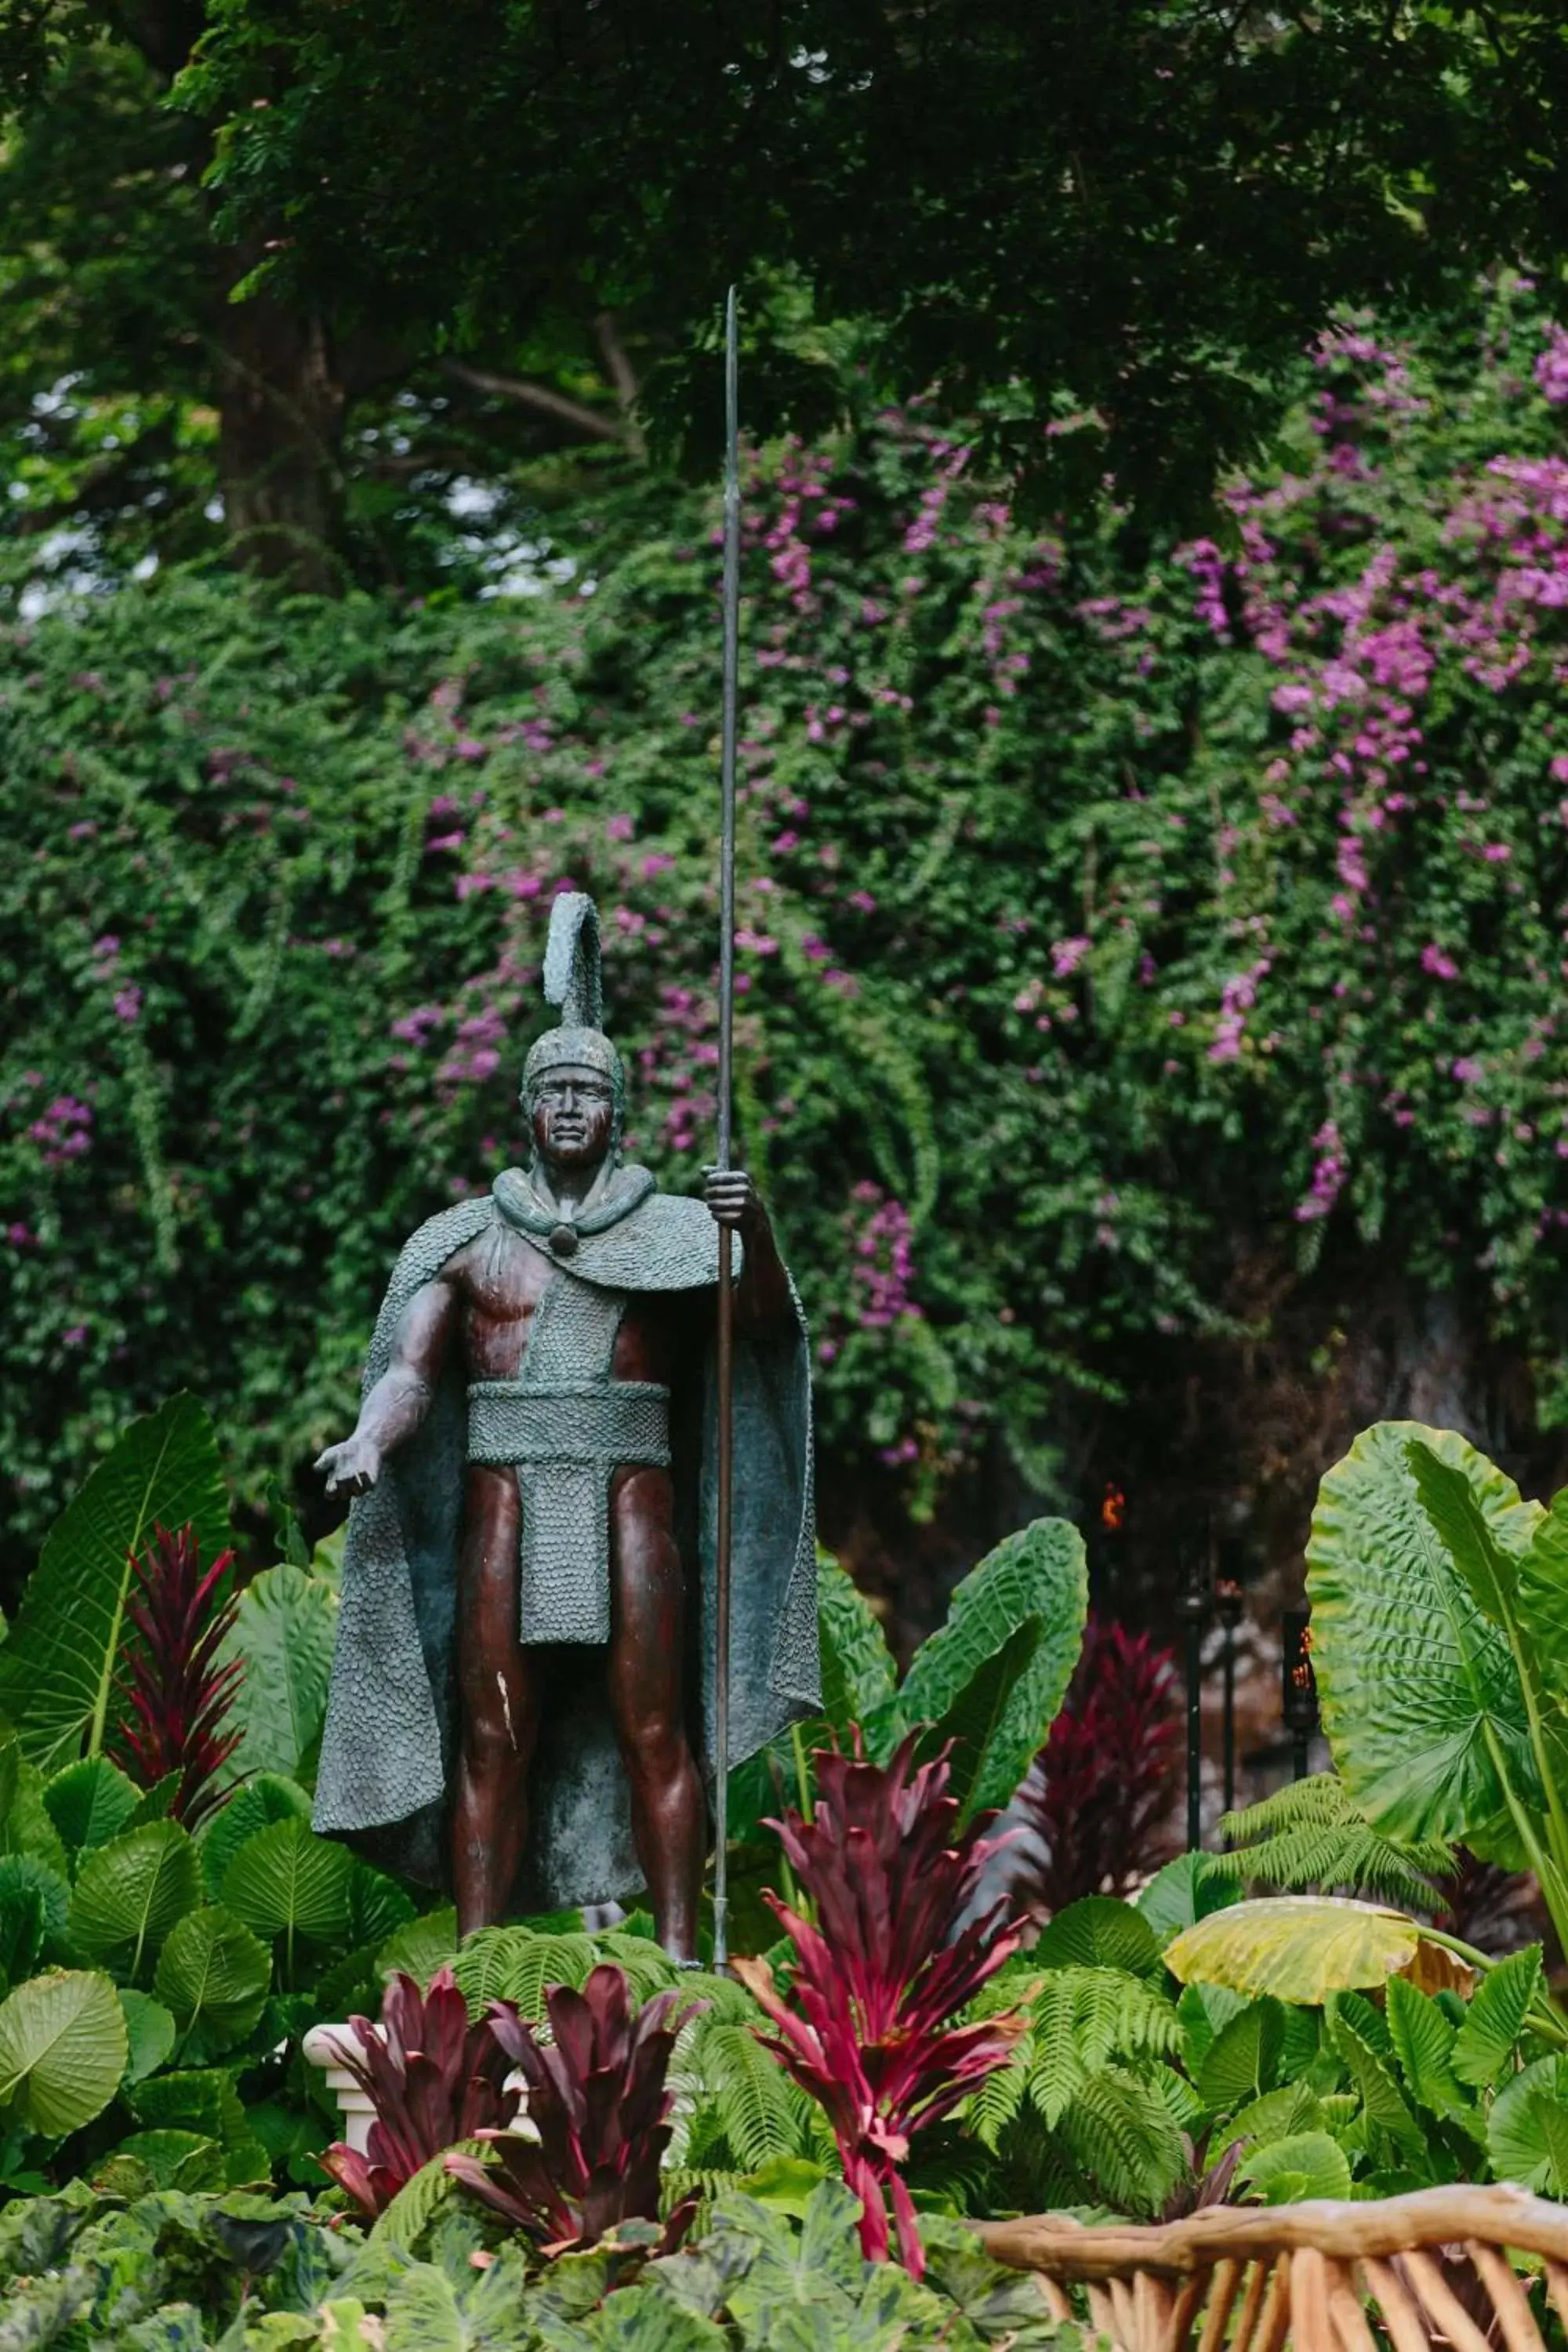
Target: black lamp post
pixel 1195 1609
pixel 1300 1685
pixel 1230 1599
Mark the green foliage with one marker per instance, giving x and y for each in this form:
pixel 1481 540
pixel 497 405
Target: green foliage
pixel 284 1631
pixel 291 913
pixel 1299 1948
pixel 286 1883
pixel 63 2049
pixel 90 1802
pixel 1434 1618
pixel 1527 2134
pixel 214 1975
pixel 983 1679
pixel 129 1893
pixel 58 1663
pixel 1306 2164
pixel 1311 1834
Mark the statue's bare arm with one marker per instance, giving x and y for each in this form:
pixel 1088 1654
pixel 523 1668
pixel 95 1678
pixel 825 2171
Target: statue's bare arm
pixel 763 1294
pixel 401 1398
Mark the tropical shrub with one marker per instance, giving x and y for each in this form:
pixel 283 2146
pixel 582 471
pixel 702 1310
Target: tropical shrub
pixel 598 2106
pixel 178 1692
pixel 1098 1800
pixel 883 1966
pixel 435 2080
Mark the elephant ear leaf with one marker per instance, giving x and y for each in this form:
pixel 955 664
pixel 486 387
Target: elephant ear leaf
pixel 129 1894
pixel 1300 1948
pixel 63 2049
pixel 1543 1595
pixel 974 1726
pixel 1421 1695
pixel 857 1673
pixel 283 1634
pixel 1527 2131
pixel 1039 1573
pixel 58 1663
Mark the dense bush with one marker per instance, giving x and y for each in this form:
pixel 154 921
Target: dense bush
pixel 1097 915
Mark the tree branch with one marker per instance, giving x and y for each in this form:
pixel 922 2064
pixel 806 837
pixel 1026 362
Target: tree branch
pixel 588 421
pixel 623 376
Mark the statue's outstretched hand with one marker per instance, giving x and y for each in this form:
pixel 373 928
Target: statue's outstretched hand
pixel 352 1467
pixel 730 1196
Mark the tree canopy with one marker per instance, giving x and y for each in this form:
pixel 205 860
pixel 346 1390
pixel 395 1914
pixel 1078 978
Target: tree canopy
pixel 1103 233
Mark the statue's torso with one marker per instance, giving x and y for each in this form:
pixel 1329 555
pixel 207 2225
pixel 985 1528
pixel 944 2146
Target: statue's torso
pixel 500 1279
pixel 568 1399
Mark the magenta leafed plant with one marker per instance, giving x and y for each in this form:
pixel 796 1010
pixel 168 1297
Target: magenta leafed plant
pixel 178 1695
pixel 885 1969
pixel 598 2099
pixel 434 2079
pixel 1099 1796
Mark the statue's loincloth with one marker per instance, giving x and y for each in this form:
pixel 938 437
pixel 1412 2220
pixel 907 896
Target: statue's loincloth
pixel 567 1427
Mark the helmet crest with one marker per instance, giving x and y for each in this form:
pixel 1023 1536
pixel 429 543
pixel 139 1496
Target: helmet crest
pixel 574 979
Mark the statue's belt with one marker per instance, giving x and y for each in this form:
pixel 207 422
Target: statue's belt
pixel 565 1444
pixel 600 1424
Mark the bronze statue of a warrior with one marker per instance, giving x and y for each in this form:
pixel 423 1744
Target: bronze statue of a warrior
pixel 523 1692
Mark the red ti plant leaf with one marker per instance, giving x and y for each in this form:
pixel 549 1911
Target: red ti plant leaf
pixel 1098 1795
pixel 435 2080
pixel 887 1967
pixel 175 1692
pixel 598 2099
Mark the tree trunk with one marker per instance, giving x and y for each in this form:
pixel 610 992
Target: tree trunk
pixel 281 403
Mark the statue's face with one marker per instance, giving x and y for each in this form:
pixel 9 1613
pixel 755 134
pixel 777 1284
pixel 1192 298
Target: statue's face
pixel 573 1111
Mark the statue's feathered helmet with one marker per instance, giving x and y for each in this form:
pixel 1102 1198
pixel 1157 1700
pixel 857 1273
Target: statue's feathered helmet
pixel 574 979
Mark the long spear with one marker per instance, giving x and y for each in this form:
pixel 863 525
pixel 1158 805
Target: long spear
pixel 726 1069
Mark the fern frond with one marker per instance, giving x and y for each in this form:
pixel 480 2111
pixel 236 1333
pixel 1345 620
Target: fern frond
pixel 1313 1835
pixel 679 2181
pixel 1081 2018
pixel 991 2108
pixel 1319 1801
pixel 760 2112
pixel 421 2197
pixel 1121 2131
pixel 646 1967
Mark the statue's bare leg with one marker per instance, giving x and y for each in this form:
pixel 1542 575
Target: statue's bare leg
pixel 498 1699
pixel 670 1818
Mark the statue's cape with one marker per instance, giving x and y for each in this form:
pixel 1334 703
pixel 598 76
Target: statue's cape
pixel 388 1744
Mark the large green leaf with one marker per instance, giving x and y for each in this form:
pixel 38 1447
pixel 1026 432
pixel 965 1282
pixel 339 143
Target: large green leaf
pixel 1300 1948
pixel 288 1882
pixel 857 1673
pixel 1419 1691
pixel 1097 1931
pixel 268 1798
pixel 1543 1593
pixel 27 1829
pixel 1527 2131
pixel 150 2032
pixel 1040 1572
pixel 1306 2164
pixel 56 1666
pixel 1484 2046
pixel 129 1892
pixel 90 1802
pixel 972 1726
pixel 24 1876
pixel 284 1633
pixel 213 1975
pixel 63 2048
